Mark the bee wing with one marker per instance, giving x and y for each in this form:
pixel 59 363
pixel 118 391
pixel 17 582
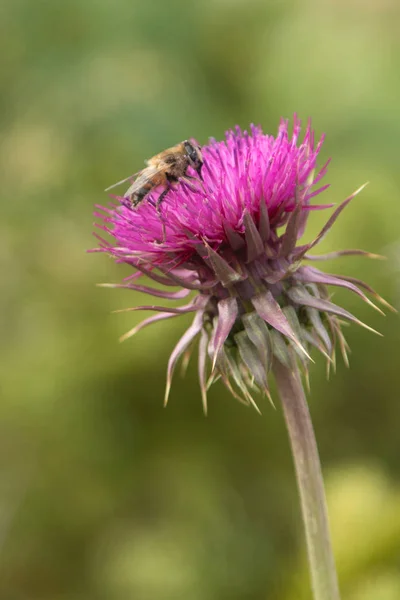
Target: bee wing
pixel 122 181
pixel 144 177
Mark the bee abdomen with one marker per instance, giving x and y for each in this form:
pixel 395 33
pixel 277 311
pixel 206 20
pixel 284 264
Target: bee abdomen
pixel 140 194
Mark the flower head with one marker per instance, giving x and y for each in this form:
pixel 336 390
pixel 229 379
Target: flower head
pixel 232 237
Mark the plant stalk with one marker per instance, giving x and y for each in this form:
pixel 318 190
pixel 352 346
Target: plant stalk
pixel 309 480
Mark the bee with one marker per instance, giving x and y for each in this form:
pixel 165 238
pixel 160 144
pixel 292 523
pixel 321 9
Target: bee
pixel 164 169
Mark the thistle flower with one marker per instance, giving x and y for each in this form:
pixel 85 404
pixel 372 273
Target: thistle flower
pixel 232 238
pixel 232 241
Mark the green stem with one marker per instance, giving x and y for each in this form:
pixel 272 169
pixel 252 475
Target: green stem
pixel 309 479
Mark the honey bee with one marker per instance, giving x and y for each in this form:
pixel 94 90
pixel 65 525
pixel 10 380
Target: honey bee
pixel 164 169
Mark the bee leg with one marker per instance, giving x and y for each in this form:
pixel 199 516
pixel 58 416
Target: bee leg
pixel 188 180
pixel 158 208
pixel 164 231
pixel 162 196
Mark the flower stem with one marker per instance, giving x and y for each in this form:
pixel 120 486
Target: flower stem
pixel 309 479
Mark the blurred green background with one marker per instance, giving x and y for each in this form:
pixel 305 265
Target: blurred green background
pixel 103 493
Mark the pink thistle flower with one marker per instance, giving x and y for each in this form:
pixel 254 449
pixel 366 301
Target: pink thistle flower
pixel 221 236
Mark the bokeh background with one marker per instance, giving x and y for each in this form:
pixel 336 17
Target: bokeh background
pixel 103 493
